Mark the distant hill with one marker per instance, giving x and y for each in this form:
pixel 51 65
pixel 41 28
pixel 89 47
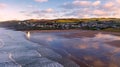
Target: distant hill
pixel 67 20
pixel 110 24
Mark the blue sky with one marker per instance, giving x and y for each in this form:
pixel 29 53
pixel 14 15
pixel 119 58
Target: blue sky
pixel 52 9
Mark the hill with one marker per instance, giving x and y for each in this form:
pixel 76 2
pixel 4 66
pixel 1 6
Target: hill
pixel 107 24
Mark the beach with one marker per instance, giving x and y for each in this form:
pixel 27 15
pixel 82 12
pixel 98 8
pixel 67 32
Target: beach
pixel 17 51
pixel 86 48
pixel 59 48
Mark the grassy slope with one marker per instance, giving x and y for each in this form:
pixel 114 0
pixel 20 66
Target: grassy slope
pixel 9 23
pixel 88 20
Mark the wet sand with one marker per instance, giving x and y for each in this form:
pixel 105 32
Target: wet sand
pixel 114 43
pixel 16 51
pixel 87 33
pixel 86 48
pixel 75 33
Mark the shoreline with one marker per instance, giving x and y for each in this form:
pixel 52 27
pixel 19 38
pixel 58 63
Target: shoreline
pixel 80 34
pixel 72 30
pixel 77 34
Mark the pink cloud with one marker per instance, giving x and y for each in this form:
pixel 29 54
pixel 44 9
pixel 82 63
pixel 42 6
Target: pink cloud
pixel 98 8
pixel 99 12
pixel 81 3
pixel 109 4
pixel 96 3
pixel 118 1
pixel 41 1
pixel 2 5
pixel 86 3
pixel 49 10
pixel 45 13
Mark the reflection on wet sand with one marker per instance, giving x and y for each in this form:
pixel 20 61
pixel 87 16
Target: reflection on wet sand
pixel 93 51
pixel 28 35
pixel 16 51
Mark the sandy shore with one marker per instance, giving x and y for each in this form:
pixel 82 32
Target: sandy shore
pixel 114 43
pixel 80 34
pixel 76 33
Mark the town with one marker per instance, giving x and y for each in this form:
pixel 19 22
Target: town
pixel 111 25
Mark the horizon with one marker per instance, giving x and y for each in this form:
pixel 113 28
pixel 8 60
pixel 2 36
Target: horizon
pixel 52 9
pixel 57 19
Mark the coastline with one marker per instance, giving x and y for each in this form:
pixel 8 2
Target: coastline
pixel 80 34
pixel 72 30
pixel 23 52
pixel 77 34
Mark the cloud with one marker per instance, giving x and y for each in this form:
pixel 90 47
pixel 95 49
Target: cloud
pixel 96 3
pixel 86 3
pixel 91 8
pixel 49 10
pixel 80 4
pixel 45 13
pixel 68 6
pixel 30 6
pixel 41 1
pixel 99 12
pixel 118 1
pixel 78 9
pixel 2 5
pixel 109 5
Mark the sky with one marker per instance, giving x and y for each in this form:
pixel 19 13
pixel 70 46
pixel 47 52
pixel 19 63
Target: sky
pixel 53 9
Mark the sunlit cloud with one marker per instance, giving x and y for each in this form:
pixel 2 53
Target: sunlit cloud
pixel 90 9
pixel 86 3
pixel 99 12
pixel 81 3
pixel 44 13
pixel 49 10
pixel 41 1
pixel 109 4
pixel 63 9
pixel 96 3
pixel 2 5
